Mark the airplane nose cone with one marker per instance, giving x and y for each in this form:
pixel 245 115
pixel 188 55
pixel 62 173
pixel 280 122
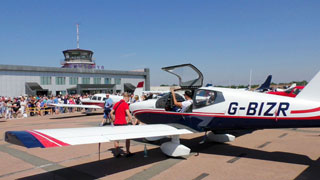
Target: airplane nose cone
pixel 149 104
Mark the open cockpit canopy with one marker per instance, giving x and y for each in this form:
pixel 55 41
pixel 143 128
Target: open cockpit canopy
pixel 189 76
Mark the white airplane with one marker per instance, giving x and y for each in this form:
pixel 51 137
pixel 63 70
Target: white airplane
pixel 225 113
pixel 97 100
pixel 288 89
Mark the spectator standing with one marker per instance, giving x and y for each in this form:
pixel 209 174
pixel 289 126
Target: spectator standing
pixel 65 101
pixel 23 104
pixel 71 101
pixel 78 101
pixel 1 107
pixel 107 109
pixel 43 105
pixel 9 109
pixel 56 101
pixel 15 108
pixel 118 114
pixel 49 106
pixel 38 106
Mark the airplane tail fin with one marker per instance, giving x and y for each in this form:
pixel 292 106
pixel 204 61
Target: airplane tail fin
pixel 265 85
pixel 311 91
pixel 139 89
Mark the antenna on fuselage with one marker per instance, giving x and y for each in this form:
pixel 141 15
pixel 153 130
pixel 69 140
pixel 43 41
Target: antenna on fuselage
pixel 250 79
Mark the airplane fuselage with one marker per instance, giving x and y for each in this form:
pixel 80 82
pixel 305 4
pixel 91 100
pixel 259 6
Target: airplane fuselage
pixel 99 99
pixel 234 109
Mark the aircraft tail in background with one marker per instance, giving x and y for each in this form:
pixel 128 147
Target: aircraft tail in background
pixel 139 89
pixel 266 85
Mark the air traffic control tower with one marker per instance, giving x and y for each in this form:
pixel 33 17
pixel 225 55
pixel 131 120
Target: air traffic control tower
pixel 78 58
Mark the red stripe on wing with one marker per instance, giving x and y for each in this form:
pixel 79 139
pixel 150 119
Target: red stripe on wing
pixel 44 141
pixel 54 139
pixel 47 141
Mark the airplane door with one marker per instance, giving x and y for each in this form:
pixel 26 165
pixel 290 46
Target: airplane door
pixel 189 76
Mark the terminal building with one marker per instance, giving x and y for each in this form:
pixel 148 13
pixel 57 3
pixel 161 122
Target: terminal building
pixel 78 74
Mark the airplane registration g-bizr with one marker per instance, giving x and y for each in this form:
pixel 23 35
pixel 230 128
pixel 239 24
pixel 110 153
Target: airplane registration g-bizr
pixel 224 113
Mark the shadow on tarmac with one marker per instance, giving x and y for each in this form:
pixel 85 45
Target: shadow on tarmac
pixel 312 172
pixel 105 167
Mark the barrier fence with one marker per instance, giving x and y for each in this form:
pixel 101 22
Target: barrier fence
pixel 38 111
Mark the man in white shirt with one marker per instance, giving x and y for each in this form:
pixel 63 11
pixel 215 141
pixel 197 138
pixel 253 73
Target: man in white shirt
pixel 185 105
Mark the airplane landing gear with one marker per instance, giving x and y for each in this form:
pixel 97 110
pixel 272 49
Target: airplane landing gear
pixel 174 148
pixel 221 138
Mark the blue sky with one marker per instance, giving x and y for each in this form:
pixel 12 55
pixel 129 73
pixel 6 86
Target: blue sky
pixel 224 39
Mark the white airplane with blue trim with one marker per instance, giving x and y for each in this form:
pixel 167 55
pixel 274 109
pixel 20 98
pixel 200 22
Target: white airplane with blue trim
pixel 224 113
pixel 97 100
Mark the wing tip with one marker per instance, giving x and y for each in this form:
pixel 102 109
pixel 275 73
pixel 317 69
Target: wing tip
pixel 22 138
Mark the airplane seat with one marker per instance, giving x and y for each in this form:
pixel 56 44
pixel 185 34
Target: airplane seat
pixel 169 106
pixel 169 103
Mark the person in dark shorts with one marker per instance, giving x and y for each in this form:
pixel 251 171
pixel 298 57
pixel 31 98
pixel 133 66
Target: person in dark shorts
pixel 118 115
pixel 15 107
pixel 107 109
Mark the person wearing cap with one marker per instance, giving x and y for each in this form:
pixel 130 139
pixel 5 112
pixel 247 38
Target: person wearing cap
pixel 184 105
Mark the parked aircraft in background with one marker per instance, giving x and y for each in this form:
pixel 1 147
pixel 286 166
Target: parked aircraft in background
pixel 287 89
pixel 224 113
pixel 97 100
pixel 292 91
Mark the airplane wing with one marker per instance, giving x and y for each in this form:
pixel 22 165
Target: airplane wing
pixel 46 138
pixel 76 106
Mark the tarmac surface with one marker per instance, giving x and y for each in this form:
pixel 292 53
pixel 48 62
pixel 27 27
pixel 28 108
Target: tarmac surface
pixel 264 154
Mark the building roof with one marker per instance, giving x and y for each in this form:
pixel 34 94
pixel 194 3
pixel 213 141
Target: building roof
pixel 77 50
pixel 70 70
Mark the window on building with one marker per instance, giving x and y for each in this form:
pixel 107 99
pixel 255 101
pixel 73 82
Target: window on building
pixel 97 80
pixel 85 80
pixel 73 80
pixel 45 80
pixel 107 80
pixel 60 80
pixel 63 92
pixel 117 81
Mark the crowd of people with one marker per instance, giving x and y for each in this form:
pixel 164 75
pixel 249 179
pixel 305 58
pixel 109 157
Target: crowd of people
pixel 24 106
